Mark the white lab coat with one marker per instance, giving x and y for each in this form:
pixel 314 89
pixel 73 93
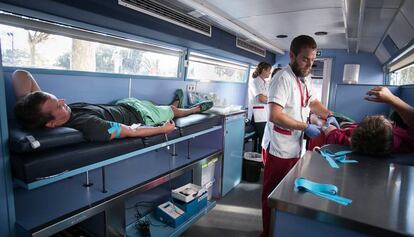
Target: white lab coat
pixel 258 109
pixel 285 91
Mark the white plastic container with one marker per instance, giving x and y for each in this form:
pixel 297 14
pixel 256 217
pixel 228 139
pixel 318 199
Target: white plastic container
pixel 351 73
pixel 188 192
pixel 207 177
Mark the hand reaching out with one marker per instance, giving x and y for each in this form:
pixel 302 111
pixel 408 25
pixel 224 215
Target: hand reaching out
pixel 380 94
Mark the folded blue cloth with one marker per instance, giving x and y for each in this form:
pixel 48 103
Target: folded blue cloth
pixel 334 157
pixel 327 191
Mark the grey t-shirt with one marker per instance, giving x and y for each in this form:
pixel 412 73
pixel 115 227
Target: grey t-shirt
pixel 94 120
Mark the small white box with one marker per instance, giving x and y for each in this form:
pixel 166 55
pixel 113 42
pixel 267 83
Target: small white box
pixel 188 192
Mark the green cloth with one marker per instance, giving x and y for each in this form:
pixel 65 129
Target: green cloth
pixel 342 118
pixel 150 113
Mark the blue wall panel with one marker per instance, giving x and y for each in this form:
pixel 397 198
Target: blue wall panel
pixel 407 94
pixel 162 92
pixel 370 69
pixel 7 214
pixel 233 93
pixel 158 91
pixel 350 102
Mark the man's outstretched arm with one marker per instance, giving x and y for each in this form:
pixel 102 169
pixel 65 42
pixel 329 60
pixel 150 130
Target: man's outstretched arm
pixel 23 83
pixel 384 95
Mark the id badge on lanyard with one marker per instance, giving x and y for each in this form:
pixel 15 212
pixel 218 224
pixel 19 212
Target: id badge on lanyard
pixel 303 102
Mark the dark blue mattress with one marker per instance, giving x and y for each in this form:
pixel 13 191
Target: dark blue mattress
pixel 64 149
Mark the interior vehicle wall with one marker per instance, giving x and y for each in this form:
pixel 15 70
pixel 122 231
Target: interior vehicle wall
pixel 407 94
pixel 7 215
pixel 349 100
pixel 107 14
pixel 370 69
pixel 106 88
pixel 4 210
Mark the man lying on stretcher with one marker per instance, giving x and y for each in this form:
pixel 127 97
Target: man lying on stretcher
pixel 128 117
pixel 375 135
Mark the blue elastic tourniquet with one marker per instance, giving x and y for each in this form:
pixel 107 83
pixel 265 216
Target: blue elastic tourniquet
pixel 115 127
pixel 339 156
pixel 327 191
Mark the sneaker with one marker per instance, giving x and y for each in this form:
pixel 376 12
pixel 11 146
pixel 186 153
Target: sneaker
pixel 179 96
pixel 204 105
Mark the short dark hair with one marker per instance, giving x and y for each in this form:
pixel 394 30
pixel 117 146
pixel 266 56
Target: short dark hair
pixel 275 71
pixel 300 42
pixel 28 110
pixel 373 136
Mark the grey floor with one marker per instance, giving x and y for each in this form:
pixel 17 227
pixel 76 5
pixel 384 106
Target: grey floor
pixel 237 214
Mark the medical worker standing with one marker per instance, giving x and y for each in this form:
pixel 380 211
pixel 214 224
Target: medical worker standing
pixel 258 90
pixel 290 102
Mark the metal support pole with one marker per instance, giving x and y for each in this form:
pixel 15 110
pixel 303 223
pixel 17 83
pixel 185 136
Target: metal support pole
pixel 103 180
pixel 174 151
pixel 188 149
pixel 87 183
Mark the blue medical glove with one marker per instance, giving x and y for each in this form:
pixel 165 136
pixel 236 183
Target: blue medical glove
pixel 312 130
pixel 331 120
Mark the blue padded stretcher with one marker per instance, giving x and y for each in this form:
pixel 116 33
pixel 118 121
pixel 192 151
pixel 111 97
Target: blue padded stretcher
pixel 64 149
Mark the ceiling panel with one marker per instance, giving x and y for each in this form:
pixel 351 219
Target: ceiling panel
pixel 382 54
pixel 408 11
pixel 376 21
pixel 297 23
pixel 368 44
pixel 268 18
pixel 333 41
pixel 400 31
pixel 383 3
pixel 248 8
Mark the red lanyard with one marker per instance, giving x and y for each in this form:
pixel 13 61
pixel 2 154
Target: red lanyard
pixel 301 94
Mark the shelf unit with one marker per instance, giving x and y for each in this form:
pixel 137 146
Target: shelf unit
pixel 158 229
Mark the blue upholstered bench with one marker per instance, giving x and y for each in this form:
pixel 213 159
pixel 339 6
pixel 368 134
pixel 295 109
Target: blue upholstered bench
pixel 41 154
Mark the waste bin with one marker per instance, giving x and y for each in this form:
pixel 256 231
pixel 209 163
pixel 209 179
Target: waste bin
pixel 252 164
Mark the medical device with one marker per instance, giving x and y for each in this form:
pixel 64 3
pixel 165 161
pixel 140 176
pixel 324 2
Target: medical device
pixel 170 214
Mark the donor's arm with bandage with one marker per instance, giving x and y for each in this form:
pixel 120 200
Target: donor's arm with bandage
pixel 138 130
pixel 98 130
pixel 320 122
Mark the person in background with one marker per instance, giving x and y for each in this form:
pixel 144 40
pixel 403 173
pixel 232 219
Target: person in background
pixel 275 71
pixel 258 99
pixel 290 102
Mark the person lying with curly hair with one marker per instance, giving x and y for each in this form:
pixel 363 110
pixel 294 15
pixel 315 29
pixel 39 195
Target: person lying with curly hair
pixel 375 135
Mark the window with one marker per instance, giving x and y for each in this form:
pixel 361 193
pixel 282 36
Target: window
pixel 403 76
pixel 401 68
pixel 37 44
pixel 205 68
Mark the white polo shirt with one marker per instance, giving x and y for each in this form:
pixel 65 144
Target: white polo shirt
pixel 257 86
pixel 288 91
